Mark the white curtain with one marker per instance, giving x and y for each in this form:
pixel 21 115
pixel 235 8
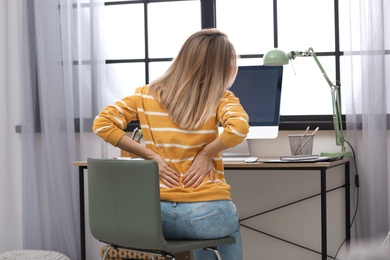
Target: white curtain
pixel 366 97
pixel 52 69
pixel 10 144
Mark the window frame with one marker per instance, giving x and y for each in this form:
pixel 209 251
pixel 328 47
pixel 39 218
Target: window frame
pixel 208 20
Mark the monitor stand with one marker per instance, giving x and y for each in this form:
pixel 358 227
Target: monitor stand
pixel 241 150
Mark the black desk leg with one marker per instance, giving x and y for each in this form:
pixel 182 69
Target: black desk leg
pixel 347 207
pixel 324 249
pixel 82 212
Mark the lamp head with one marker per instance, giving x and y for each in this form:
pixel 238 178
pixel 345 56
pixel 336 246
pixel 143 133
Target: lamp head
pixel 275 58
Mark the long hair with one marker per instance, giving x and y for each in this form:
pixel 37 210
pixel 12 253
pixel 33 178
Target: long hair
pixel 193 85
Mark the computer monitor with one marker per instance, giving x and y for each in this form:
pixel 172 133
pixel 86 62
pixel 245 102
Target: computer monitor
pixel 259 89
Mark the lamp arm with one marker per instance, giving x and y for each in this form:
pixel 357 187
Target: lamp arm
pixel 313 54
pixel 335 91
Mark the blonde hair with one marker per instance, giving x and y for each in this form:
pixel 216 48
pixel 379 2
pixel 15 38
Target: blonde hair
pixel 193 85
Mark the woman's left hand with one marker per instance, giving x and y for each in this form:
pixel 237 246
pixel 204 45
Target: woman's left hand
pixel 201 166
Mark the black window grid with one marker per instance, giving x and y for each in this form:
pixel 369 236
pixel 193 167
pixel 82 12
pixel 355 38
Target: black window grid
pixel 208 20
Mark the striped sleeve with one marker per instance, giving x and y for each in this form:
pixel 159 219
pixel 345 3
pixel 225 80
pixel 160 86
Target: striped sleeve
pixel 233 119
pixel 111 122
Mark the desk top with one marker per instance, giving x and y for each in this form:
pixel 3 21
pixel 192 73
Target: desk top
pixel 261 164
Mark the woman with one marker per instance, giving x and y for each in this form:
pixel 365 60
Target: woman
pixel 179 114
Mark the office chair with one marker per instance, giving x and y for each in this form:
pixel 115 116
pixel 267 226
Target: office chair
pixel 124 209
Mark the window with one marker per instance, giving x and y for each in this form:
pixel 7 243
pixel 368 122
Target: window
pixel 142 37
pixel 155 30
pixel 255 29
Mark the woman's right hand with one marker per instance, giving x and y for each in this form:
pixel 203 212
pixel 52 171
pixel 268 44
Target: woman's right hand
pixel 167 175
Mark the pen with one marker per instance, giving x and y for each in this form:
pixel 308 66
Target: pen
pixel 300 143
pixel 311 136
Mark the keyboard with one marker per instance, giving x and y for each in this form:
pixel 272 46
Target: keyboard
pixel 233 159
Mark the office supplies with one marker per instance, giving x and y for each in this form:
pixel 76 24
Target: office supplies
pixel 310 138
pixel 299 157
pixel 306 143
pixel 301 160
pixel 300 143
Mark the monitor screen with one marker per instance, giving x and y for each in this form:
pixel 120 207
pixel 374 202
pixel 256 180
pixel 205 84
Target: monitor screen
pixel 259 90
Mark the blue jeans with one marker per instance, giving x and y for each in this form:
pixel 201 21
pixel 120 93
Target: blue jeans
pixel 204 220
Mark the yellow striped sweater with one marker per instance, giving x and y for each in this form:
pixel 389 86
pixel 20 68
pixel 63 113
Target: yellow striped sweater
pixel 177 146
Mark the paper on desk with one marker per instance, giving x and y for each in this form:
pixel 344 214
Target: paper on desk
pixel 317 159
pixel 299 157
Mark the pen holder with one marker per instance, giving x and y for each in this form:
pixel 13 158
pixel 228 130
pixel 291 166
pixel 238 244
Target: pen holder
pixel 127 154
pixel 301 144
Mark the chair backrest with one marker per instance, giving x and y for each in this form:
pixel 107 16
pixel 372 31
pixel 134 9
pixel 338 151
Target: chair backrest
pixel 124 203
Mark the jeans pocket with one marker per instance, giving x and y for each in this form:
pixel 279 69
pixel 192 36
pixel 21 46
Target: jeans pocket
pixel 211 225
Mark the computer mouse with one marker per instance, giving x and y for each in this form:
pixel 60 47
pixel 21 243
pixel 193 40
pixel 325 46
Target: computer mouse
pixel 250 159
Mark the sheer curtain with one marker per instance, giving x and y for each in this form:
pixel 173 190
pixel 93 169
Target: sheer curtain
pixel 367 104
pixel 63 70
pixel 10 144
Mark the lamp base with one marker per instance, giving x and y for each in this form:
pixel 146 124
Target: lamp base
pixel 346 154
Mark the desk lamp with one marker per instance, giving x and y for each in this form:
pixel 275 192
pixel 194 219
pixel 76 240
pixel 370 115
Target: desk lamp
pixel 278 57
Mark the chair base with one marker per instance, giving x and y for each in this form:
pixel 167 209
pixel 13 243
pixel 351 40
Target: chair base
pixel 215 251
pixel 154 255
pixel 115 253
